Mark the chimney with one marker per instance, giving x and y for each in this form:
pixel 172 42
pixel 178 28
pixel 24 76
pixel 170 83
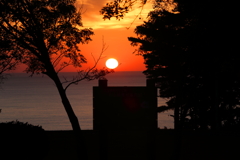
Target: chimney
pixel 102 82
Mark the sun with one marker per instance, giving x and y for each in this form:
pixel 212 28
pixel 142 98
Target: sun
pixel 111 63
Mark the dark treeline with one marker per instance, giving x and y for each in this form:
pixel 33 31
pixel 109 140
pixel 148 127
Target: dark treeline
pixel 191 52
pixel 193 58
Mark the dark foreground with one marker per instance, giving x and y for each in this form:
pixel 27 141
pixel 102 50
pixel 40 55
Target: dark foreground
pixel 142 145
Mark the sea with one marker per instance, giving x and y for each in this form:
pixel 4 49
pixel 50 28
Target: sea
pixel 35 100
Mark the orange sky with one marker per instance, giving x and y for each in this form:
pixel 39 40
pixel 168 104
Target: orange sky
pixel 113 32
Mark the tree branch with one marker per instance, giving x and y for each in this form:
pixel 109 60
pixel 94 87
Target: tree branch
pixel 91 73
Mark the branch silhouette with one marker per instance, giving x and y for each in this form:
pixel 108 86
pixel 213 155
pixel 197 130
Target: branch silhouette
pixel 90 73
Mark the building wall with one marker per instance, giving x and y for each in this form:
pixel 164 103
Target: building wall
pixel 124 108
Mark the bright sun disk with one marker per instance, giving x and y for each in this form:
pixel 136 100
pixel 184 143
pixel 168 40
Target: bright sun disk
pixel 111 63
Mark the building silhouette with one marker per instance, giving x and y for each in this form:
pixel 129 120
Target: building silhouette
pixel 124 108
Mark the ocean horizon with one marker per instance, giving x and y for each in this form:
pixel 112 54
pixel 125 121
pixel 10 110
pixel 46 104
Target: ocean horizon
pixel 35 99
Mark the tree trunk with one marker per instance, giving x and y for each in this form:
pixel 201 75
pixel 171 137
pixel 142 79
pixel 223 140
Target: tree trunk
pixel 82 152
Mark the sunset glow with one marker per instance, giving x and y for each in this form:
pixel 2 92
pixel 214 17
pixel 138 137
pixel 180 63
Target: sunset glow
pixel 111 63
pixel 113 34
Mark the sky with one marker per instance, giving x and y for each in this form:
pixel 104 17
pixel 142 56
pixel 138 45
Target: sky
pixel 113 33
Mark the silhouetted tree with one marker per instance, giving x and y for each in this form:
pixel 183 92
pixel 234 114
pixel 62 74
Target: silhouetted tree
pixel 46 33
pixel 7 63
pixel 8 59
pixel 190 51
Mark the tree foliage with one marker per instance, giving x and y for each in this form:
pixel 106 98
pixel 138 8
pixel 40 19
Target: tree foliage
pixel 46 34
pixel 119 8
pixel 44 29
pixel 28 140
pixel 8 59
pixel 191 53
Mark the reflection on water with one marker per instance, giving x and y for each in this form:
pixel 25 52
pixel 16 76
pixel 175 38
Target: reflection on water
pixel 35 100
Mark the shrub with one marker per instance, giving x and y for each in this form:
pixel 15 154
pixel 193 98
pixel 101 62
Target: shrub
pixel 20 140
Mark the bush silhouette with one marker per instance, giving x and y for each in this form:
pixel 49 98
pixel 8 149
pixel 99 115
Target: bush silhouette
pixel 22 141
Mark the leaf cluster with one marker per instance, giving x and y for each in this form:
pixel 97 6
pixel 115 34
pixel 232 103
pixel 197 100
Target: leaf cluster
pixel 8 59
pixel 45 32
pixel 118 8
pixel 191 56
